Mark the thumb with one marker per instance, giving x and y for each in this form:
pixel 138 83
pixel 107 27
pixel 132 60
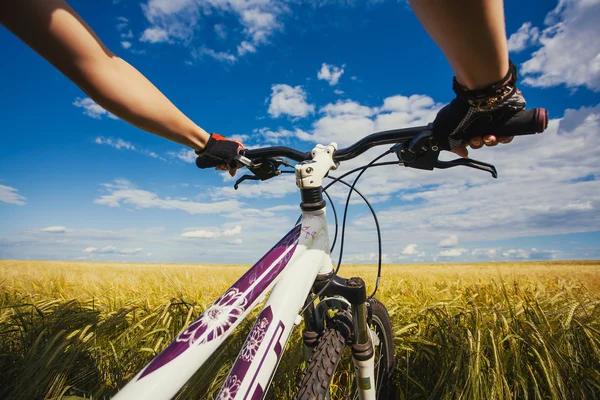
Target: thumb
pixel 461 150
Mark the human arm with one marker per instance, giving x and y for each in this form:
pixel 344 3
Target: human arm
pixel 471 33
pixel 56 32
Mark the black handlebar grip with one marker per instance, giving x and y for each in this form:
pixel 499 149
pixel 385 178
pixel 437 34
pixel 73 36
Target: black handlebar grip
pixel 206 162
pixel 526 122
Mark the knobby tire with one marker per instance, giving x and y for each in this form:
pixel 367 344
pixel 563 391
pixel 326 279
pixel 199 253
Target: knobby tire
pixel 328 353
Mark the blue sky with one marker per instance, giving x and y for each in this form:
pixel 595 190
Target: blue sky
pixel 76 183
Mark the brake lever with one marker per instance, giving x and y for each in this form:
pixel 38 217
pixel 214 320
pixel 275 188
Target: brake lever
pixel 262 169
pixel 422 152
pixel 245 178
pixel 468 162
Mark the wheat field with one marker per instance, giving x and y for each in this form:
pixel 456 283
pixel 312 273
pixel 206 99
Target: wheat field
pixel 478 331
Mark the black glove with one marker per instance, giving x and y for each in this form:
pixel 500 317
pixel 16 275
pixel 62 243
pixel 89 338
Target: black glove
pixel 477 113
pixel 219 152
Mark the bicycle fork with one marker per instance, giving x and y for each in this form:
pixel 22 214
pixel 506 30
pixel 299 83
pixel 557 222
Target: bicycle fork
pixel 355 328
pixel 363 354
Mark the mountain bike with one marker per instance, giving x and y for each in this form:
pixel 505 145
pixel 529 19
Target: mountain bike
pixel 298 270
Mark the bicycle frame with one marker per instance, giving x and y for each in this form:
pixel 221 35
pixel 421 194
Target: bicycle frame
pixel 290 268
pixel 295 262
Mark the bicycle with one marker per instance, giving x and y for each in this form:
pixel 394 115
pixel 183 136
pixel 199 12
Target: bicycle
pixel 337 312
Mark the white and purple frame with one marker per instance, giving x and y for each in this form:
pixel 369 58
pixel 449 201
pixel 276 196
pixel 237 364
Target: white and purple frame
pixel 290 268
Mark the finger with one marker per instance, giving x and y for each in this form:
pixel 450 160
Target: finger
pixel 232 171
pixel 222 167
pixel 461 150
pixel 476 143
pixel 490 140
pixel 505 139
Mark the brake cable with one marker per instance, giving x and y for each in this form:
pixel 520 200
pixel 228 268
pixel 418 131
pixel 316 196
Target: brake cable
pixel 336 180
pixel 336 221
pixel 377 227
pixel 339 179
pixel 352 189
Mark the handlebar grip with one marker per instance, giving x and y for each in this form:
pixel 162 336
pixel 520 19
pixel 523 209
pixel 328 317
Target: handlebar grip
pixel 526 122
pixel 206 162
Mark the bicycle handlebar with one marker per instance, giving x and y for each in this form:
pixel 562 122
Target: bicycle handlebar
pixel 375 139
pixel 526 122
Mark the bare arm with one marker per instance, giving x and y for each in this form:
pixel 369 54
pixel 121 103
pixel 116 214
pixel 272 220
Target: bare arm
pixel 54 30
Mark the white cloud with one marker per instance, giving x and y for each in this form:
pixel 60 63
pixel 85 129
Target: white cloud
pixel 526 36
pixel 491 253
pixel 348 121
pixel 167 7
pixel 116 143
pixel 89 234
pixel 113 250
pixel 155 35
pixel 259 24
pixel 91 109
pixel 9 195
pixel 355 258
pixel 339 92
pixel 221 30
pixel 152 154
pixel 126 33
pixel 222 56
pixel 131 251
pixel 516 253
pixel 212 233
pixel 122 23
pixel 121 144
pixel 271 137
pixel 245 47
pixel 410 250
pixel 347 107
pixel 103 250
pixel 54 229
pixel 450 241
pixel 456 252
pixel 122 192
pixel 529 254
pixel 171 20
pixel 185 155
pixel 108 245
pixel 200 234
pixel 283 208
pixel 330 73
pixel 570 49
pixel 239 138
pixel 579 206
pixel 178 21
pixel 288 100
pixel 234 231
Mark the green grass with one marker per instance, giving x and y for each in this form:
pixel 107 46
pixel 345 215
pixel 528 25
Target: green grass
pixel 482 331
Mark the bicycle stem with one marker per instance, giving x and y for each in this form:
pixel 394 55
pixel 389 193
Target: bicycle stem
pixel 310 173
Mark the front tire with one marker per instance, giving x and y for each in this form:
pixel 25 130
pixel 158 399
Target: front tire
pixel 330 372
